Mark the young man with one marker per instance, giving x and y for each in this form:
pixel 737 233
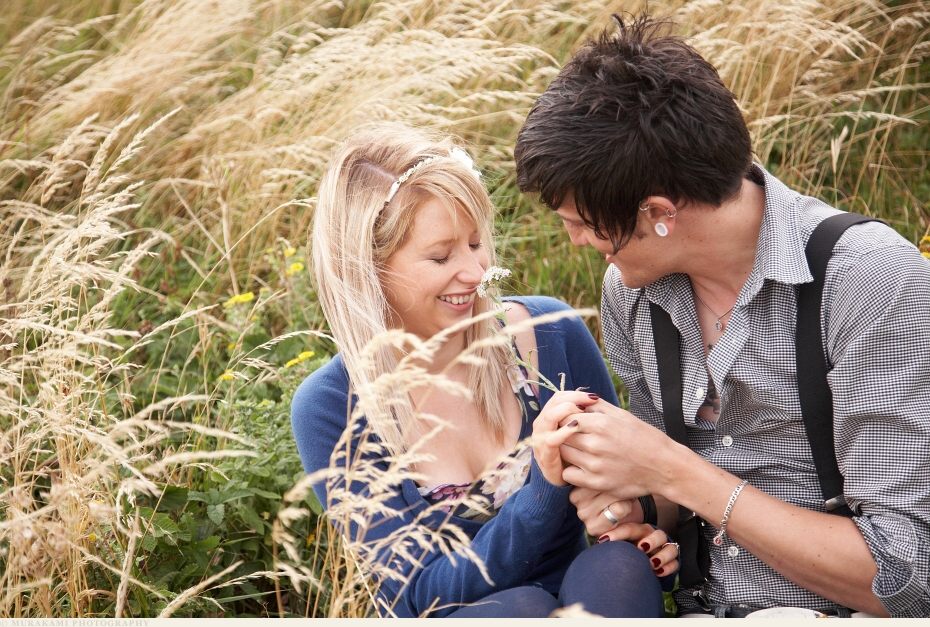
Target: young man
pixel 643 153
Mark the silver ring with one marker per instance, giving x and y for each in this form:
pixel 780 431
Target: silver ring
pixel 609 515
pixel 674 544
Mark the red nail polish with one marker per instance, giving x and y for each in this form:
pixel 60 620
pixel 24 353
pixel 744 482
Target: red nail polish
pixel 603 538
pixel 655 561
pixel 573 423
pixel 594 397
pixel 660 571
pixel 644 546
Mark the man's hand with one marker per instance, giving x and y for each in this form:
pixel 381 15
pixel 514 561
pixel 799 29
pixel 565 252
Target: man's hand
pixel 612 451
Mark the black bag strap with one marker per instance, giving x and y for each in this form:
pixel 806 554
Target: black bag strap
pixel 694 556
pixel 816 396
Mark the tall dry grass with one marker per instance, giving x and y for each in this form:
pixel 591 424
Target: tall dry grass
pixel 75 456
pixel 153 152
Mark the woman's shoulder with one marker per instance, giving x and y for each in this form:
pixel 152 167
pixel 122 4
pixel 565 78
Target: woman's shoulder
pixel 536 306
pixel 539 305
pixel 321 396
pixel 328 381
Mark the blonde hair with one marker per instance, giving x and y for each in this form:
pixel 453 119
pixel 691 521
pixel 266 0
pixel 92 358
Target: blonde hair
pixel 354 234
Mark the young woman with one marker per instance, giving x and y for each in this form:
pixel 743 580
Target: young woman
pixel 401 240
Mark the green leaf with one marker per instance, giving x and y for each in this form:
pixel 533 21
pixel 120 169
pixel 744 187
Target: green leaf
pixel 265 493
pixel 149 543
pixel 231 495
pixel 314 504
pixel 172 498
pixel 194 495
pixel 208 544
pixel 163 525
pixel 216 512
pixel 252 519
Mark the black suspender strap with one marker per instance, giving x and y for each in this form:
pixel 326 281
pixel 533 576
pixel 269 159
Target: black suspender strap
pixel 668 356
pixel 816 396
pixel 694 557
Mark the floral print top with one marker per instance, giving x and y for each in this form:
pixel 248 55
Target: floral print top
pixel 507 478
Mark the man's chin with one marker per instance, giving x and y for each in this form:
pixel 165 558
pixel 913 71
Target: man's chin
pixel 630 282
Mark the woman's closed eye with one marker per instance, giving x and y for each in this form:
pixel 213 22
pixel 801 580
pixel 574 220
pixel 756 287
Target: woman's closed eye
pixel 443 259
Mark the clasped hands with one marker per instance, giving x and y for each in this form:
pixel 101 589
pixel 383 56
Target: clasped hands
pixel 602 450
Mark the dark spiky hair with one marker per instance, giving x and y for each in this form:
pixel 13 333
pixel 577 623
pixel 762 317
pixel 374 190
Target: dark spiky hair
pixel 634 113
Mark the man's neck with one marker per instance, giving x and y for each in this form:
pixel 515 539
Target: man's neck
pixel 720 250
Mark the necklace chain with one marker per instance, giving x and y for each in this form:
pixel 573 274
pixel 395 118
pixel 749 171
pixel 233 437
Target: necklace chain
pixel 719 322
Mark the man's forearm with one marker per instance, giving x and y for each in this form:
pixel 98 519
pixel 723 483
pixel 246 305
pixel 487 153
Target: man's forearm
pixel 820 552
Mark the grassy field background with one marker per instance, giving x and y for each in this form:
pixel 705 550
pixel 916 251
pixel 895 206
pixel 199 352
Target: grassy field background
pixel 158 164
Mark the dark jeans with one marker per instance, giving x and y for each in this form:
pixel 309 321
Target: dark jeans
pixel 612 579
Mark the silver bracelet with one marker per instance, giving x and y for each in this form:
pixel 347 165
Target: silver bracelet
pixel 718 539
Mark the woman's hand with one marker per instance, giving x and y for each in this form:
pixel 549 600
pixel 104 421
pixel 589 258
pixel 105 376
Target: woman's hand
pixel 591 506
pixel 653 542
pixel 549 433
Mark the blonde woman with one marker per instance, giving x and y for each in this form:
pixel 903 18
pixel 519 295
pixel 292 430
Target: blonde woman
pixel 401 240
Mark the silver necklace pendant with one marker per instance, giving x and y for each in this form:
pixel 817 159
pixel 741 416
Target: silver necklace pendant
pixel 718 325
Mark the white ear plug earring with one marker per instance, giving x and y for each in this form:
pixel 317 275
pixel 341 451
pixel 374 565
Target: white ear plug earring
pixel 661 229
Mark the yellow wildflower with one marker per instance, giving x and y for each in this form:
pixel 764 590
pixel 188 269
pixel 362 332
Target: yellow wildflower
pixel 92 537
pixel 290 251
pixel 311 537
pixel 926 255
pixel 304 356
pixel 227 376
pixel 231 346
pixel 294 268
pixel 238 299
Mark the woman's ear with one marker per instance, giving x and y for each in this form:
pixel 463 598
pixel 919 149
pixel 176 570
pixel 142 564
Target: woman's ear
pixel 659 214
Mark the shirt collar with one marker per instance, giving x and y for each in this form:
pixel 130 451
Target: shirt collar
pixel 780 248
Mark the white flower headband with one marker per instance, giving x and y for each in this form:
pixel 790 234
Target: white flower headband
pixel 455 153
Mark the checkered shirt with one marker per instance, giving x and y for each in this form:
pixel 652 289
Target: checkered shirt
pixel 876 325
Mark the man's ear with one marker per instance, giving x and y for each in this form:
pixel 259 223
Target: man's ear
pixel 659 210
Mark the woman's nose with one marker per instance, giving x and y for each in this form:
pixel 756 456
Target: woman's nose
pixel 473 268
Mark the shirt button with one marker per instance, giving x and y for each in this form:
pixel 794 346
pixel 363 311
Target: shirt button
pixel 700 394
pixel 733 551
pixel 727 440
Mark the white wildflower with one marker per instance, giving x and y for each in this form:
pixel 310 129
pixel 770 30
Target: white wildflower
pixel 491 276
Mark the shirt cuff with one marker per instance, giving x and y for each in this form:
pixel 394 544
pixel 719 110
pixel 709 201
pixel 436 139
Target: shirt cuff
pixel 899 549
